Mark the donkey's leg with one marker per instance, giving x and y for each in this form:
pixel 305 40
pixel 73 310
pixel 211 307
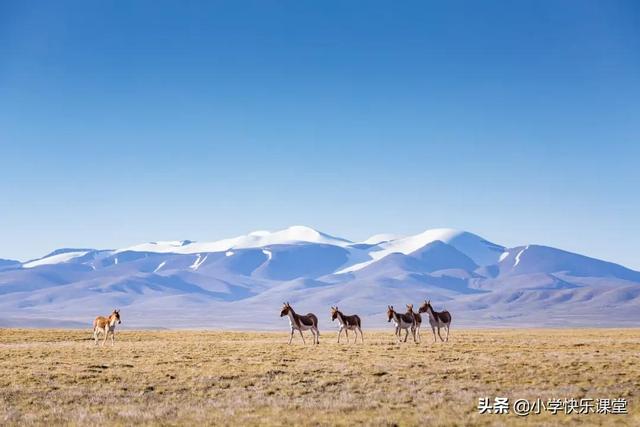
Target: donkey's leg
pixel 339 333
pixel 317 331
pixel 113 338
pixel 106 335
pixel 433 329
pixel 346 332
pixel 441 339
pixel 448 326
pixel 418 333
pixel 302 336
pixel 95 335
pixel 291 336
pixel 361 337
pixel 406 334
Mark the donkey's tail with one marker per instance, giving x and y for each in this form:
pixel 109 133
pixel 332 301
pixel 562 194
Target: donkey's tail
pixel 314 318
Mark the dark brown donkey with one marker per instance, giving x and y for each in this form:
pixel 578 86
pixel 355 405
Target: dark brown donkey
pixel 436 319
pixel 402 321
pixel 301 323
pixel 347 323
pixel 415 329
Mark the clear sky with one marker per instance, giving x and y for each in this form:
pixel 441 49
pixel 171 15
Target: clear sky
pixel 124 122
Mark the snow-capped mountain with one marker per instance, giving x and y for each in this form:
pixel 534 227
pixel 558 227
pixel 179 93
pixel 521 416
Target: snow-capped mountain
pixel 241 282
pixel 256 239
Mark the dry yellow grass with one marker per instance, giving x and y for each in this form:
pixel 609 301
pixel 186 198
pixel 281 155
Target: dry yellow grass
pixel 188 378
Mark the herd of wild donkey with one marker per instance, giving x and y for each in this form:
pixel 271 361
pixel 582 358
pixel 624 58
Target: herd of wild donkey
pixel 409 320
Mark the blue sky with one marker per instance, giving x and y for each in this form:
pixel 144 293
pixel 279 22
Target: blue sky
pixel 124 122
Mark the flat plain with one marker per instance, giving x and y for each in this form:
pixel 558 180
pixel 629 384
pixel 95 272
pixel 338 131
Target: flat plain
pixel 57 377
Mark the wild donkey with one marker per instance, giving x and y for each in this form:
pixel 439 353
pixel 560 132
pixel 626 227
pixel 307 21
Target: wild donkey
pixel 106 325
pixel 402 321
pixel 436 319
pixel 347 323
pixel 301 323
pixel 415 329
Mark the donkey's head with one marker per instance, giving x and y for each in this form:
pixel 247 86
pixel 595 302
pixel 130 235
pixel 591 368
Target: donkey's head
pixel 116 314
pixel 334 313
pixel 426 305
pixel 409 308
pixel 390 313
pixel 286 308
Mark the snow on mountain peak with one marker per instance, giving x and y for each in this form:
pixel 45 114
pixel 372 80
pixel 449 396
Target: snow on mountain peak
pixel 481 251
pixel 255 239
pixel 165 246
pixel 301 233
pixel 55 259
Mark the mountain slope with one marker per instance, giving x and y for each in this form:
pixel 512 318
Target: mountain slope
pixel 6 264
pixel 536 258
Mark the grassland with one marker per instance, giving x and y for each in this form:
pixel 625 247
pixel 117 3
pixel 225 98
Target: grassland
pixel 188 378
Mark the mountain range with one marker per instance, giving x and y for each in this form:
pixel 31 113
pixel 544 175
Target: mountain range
pixel 241 283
